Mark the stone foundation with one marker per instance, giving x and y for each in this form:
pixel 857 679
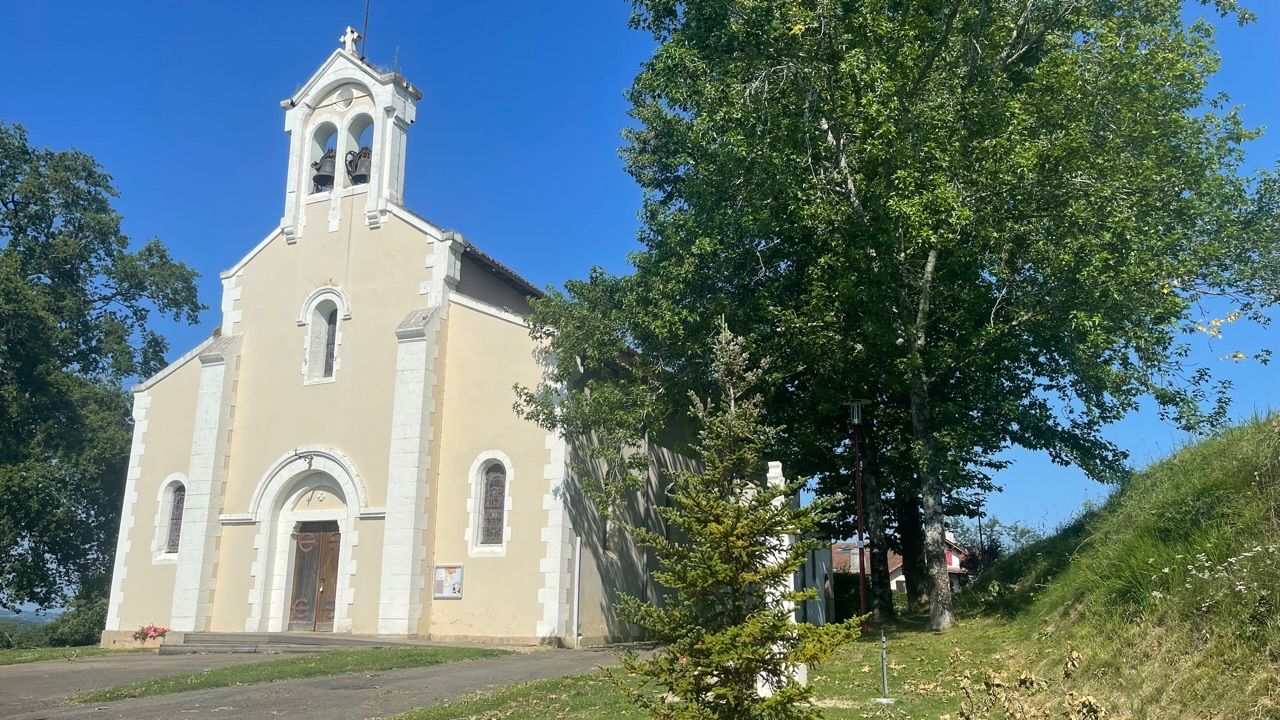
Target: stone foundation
pixel 123 640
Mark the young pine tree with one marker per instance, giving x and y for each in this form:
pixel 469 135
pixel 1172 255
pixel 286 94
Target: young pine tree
pixel 727 623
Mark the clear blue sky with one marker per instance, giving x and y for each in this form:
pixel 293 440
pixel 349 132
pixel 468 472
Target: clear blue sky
pixel 515 145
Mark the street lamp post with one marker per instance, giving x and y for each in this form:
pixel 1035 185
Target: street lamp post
pixel 855 418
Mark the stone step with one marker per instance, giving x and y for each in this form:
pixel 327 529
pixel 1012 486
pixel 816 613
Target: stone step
pixel 214 642
pixel 324 639
pixel 223 648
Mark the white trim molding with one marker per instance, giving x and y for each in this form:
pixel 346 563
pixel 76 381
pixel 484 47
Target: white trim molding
pixel 164 508
pixel 141 403
pixel 239 267
pixel 231 291
pixel 475 504
pixel 558 537
pixel 295 473
pixel 488 309
pixel 408 462
pixel 172 367
pixel 307 316
pixel 331 292
pixel 297 461
pixel 206 477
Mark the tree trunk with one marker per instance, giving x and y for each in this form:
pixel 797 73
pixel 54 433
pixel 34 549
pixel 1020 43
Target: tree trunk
pixel 881 594
pixel 935 547
pixel 911 534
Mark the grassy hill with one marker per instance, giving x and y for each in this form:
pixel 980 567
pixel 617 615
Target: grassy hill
pixel 1162 603
pixel 1169 593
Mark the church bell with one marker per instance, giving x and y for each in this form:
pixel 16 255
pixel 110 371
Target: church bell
pixel 358 165
pixel 324 170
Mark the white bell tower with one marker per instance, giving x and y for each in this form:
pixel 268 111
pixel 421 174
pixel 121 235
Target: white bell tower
pixel 347 130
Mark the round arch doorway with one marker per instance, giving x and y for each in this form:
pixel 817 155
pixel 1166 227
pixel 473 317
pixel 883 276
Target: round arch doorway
pixel 307 485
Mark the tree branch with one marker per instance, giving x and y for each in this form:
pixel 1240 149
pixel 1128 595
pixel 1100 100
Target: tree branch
pixel 837 146
pixel 936 50
pixel 926 294
pixel 1012 55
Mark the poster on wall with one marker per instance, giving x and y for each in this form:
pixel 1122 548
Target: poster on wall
pixel 448 582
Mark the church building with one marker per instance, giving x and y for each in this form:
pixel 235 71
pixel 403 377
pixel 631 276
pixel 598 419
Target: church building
pixel 342 454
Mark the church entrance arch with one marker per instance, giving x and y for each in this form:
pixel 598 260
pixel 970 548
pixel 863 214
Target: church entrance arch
pixel 306 507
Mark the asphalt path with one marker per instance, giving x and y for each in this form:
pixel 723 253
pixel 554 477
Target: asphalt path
pixel 38 691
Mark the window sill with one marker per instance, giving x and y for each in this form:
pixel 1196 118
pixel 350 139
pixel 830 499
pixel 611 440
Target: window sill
pixel 320 381
pixel 164 558
pixel 482 551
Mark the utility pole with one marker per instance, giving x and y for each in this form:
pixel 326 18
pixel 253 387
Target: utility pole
pixel 855 418
pixel 982 546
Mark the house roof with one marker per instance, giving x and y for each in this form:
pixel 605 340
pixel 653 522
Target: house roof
pixel 895 560
pixel 502 271
pixel 469 248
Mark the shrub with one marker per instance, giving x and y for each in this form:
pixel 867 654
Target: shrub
pixel 80 625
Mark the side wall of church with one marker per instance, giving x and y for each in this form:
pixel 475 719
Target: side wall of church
pixel 485 357
pixel 612 564
pixel 144 575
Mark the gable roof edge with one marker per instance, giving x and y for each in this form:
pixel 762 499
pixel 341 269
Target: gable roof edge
pixel 239 266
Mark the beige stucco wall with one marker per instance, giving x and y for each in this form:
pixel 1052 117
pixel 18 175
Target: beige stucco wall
pixel 235 553
pixel 380 272
pixel 485 357
pixel 148 585
pixel 367 554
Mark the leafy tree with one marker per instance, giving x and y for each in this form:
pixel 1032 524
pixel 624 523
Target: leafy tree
pixel 74 308
pixel 999 218
pixel 993 539
pixel 728 622
pixel 82 622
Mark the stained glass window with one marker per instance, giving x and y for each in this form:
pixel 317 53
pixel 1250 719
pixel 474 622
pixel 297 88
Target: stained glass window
pixel 495 504
pixel 330 341
pixel 179 499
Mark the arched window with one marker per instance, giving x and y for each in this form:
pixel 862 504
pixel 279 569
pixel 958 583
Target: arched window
pixel 489 504
pixel 177 502
pixel 323 342
pixel 322 316
pixel 493 517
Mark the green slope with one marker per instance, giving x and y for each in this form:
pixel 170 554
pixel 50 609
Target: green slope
pixel 1170 592
pixel 1163 604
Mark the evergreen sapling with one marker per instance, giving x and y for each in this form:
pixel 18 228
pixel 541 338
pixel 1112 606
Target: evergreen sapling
pixel 733 543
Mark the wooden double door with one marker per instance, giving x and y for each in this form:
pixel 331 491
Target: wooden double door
pixel 315 576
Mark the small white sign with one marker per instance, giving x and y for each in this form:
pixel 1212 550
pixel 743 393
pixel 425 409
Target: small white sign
pixel 448 582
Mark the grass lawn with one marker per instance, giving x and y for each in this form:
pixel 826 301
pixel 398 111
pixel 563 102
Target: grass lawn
pixel 582 696
pixel 333 662
pixel 924 679
pixel 13 657
pixel 1162 604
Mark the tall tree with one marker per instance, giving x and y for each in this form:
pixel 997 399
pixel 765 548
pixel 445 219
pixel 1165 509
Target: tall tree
pixel 1001 216
pixel 74 308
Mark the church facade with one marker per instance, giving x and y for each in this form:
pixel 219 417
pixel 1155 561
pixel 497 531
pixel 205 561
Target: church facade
pixel 342 454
